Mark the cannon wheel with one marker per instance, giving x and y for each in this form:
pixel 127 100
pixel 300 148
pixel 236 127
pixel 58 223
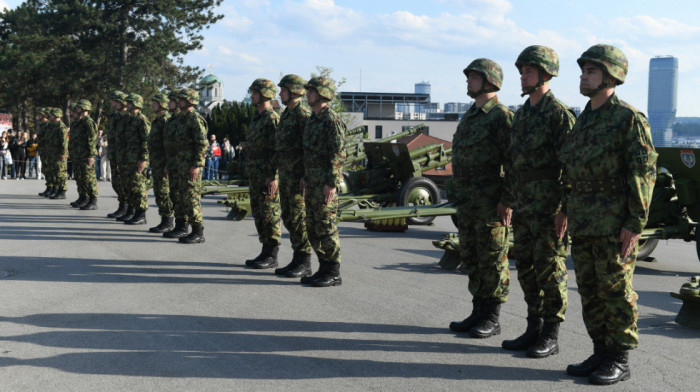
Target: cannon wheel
pixel 419 191
pixel 646 247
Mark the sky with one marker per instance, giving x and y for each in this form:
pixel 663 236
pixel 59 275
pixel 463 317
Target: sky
pixel 388 46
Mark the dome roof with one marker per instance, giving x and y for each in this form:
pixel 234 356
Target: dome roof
pixel 211 79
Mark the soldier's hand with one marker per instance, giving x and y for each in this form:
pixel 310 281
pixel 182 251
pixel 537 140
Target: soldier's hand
pixel 91 161
pixel 194 173
pixel 271 186
pixel 628 239
pixel 328 193
pixel 505 213
pixel 141 166
pixel 63 157
pixel 560 223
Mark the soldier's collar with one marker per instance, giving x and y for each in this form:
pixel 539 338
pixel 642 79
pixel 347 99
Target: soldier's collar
pixel 490 104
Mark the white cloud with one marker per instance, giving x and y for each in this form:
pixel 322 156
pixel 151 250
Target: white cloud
pixel 3 5
pixel 326 20
pixel 481 6
pixel 235 21
pixel 648 26
pixel 224 50
pixel 249 58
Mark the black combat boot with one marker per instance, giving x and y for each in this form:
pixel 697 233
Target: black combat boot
pixel 590 365
pixel 167 223
pixel 311 278
pixel 295 260
pixel 527 339
pixel 76 204
pixel 46 191
pixel 130 211
pixel 180 230
pixel 121 210
pixel 488 324
pixel 615 368
pixel 52 191
pixel 139 218
pixel 90 204
pixel 252 261
pixel 547 343
pixel 329 275
pixel 195 237
pixel 268 259
pixel 469 322
pixel 59 195
pixel 301 268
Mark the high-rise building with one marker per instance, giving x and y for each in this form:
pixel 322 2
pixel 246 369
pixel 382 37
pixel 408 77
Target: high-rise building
pixel 662 100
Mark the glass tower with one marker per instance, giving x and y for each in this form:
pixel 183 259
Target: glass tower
pixel 662 103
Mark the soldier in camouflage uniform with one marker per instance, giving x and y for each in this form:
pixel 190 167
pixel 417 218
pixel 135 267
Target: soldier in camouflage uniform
pixel 539 130
pixel 135 159
pixel 192 138
pixel 58 154
pixel 264 196
pixel 610 164
pixel 176 180
pixel 324 143
pixel 289 159
pixel 83 149
pixel 118 102
pixel 156 150
pixel 42 138
pixel 479 150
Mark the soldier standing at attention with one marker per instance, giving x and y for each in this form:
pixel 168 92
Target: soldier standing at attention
pixel 58 155
pixel 43 151
pixel 479 151
pixel 156 151
pixel 176 180
pixel 135 157
pixel 73 117
pixel 324 142
pixel 118 103
pixel 539 130
pixel 289 159
pixel 264 197
pixel 610 164
pixel 192 134
pixel 84 141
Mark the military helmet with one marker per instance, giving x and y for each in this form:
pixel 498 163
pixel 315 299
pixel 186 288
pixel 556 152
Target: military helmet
pixel 118 96
pixel 85 104
pixel 189 95
pixel 42 112
pixel 265 87
pixel 294 83
pixel 162 99
pixel 323 85
pixel 71 106
pixel 489 68
pixel 135 100
pixel 56 112
pixel 172 95
pixel 540 56
pixel 609 57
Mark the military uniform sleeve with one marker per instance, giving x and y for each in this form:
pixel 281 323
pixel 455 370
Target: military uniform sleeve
pixel 63 140
pixel 144 129
pixel 641 172
pixel 505 126
pixel 336 146
pixel 199 140
pixel 566 124
pixel 270 132
pixel 91 139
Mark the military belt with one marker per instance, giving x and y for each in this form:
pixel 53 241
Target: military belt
pixel 613 184
pixel 542 174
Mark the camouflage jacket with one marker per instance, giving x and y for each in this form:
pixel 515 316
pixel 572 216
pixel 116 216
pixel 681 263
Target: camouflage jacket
pixel 156 141
pixel 121 130
pixel 41 137
pixel 260 143
pixel 534 168
pixel 610 163
pixel 83 139
pixel 135 136
pixel 56 140
pixel 170 142
pixel 324 148
pixel 113 136
pixel 289 150
pixel 479 150
pixel 191 135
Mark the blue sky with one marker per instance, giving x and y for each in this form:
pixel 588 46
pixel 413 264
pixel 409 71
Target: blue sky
pixel 394 44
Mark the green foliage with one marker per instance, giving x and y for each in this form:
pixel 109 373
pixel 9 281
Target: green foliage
pixel 231 120
pixel 326 72
pixel 686 129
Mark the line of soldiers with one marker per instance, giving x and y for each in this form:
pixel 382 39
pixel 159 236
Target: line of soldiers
pixel 554 176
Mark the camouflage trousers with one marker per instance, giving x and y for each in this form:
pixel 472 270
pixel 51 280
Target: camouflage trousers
pixel 85 178
pixel 134 184
pixel 266 210
pixel 117 182
pixel 294 213
pixel 605 284
pixel 540 258
pixel 321 224
pixel 185 194
pixel 161 190
pixel 58 170
pixel 47 170
pixel 483 248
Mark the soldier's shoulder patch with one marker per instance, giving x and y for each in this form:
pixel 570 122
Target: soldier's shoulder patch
pixel 641 155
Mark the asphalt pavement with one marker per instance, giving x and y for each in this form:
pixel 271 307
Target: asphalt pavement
pixel 91 304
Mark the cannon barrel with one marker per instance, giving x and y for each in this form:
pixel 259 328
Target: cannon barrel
pixel 410 131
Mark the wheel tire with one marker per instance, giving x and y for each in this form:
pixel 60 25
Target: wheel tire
pixel 419 191
pixel 646 247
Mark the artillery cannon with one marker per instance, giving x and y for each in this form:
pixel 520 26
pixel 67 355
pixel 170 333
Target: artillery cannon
pixel 355 151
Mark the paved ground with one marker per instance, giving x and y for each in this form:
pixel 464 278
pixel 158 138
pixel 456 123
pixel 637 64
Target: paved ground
pixel 92 304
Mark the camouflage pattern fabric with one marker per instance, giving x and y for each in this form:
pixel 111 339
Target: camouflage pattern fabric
pixel 59 147
pixel 260 139
pixel 120 147
pixel 533 172
pixel 156 150
pixel 176 179
pixel 324 142
pixel 135 135
pixel 84 146
pixel 609 148
pixel 479 151
pixel 289 159
pixel 42 150
pixel 191 136
pixel 112 137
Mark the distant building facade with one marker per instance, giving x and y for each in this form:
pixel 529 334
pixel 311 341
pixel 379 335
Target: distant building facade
pixel 211 94
pixel 662 98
